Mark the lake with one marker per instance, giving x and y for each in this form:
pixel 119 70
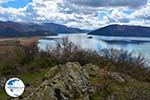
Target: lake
pixel 137 45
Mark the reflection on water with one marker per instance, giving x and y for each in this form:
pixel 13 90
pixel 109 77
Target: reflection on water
pixel 131 44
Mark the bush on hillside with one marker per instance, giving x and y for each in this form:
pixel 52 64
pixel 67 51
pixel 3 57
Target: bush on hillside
pixel 27 59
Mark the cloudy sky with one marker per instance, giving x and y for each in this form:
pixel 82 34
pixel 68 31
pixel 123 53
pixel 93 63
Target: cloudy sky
pixel 85 14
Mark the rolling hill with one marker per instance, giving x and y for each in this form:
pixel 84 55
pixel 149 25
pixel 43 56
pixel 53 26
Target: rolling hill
pixel 123 30
pixel 16 29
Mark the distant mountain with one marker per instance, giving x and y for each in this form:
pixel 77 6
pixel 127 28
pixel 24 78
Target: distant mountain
pixel 16 29
pixel 61 28
pixel 123 30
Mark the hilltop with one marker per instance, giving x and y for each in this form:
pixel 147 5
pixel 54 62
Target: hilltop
pixel 72 81
pixel 123 30
pixel 18 29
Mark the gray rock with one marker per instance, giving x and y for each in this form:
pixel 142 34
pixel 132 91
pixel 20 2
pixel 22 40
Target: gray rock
pixel 71 81
pixel 116 76
pixel 63 82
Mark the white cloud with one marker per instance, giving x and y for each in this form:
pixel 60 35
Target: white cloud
pixel 79 13
pixel 109 3
pixel 143 13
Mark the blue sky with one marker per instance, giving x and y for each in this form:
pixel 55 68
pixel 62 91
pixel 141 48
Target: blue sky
pixel 16 3
pixel 77 13
pixel 108 13
pixel 128 12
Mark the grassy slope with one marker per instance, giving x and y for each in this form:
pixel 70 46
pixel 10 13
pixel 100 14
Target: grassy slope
pixel 130 90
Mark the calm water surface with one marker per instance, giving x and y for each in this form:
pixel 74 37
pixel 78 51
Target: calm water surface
pixel 131 44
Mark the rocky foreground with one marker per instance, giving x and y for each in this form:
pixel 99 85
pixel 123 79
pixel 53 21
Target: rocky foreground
pixel 75 82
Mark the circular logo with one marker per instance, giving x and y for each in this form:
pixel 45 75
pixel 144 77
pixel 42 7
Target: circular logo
pixel 14 87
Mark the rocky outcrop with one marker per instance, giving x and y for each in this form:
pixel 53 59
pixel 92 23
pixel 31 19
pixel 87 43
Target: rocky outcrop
pixel 63 82
pixel 72 81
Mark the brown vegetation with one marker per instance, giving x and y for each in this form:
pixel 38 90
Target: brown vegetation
pixel 28 59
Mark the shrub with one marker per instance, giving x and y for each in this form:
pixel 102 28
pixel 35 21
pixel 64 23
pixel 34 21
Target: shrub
pixel 124 62
pixel 109 59
pixel 29 58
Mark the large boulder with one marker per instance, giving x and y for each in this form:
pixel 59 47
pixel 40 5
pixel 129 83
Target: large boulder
pixel 65 81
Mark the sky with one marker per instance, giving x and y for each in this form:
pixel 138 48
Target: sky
pixel 84 14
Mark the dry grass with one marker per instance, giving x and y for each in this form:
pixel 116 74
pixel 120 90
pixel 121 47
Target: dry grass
pixel 8 44
pixel 22 40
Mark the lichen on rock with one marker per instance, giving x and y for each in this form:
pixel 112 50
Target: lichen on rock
pixel 63 82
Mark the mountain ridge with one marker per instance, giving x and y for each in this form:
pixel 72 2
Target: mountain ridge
pixel 17 29
pixel 122 30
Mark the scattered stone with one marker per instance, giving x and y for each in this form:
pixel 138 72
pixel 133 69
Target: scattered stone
pixel 116 76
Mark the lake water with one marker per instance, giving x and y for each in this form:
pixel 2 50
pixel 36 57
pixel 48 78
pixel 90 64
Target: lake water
pixel 131 44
